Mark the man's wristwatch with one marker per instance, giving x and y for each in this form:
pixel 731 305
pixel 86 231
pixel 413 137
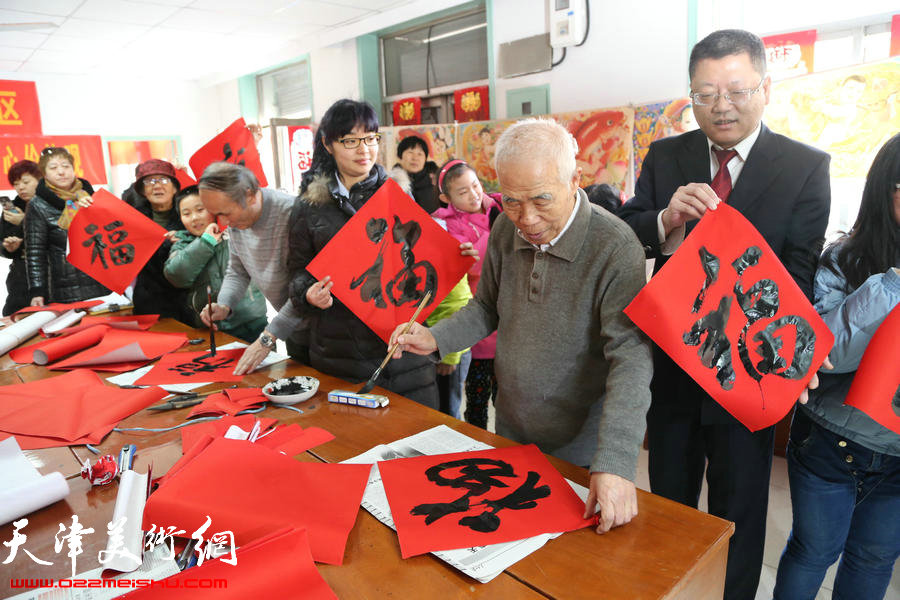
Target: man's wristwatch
pixel 267 341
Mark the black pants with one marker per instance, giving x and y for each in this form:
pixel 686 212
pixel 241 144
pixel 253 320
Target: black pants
pixel 739 464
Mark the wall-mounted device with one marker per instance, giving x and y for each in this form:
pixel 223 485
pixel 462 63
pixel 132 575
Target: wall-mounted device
pixel 568 22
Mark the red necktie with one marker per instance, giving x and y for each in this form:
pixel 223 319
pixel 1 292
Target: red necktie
pixel 721 183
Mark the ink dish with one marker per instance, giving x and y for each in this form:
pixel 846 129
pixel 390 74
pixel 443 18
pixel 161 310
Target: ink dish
pixel 291 390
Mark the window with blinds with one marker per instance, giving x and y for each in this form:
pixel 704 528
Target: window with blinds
pixel 443 53
pixel 285 93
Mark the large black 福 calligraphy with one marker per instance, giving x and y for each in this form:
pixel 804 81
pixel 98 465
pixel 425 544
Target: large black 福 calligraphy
pixel 479 476
pixel 759 301
pixel 119 253
pixel 411 282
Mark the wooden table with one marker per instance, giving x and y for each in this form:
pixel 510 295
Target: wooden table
pixel 668 551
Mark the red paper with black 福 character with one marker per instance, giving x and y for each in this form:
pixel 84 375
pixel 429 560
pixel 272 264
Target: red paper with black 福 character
pixel 111 241
pixel 754 361
pixel 876 384
pixel 386 257
pixel 235 145
pixel 467 499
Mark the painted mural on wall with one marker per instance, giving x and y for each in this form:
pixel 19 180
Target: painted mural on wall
pixel 657 121
pixel 849 113
pixel 441 140
pixel 604 145
pixel 476 147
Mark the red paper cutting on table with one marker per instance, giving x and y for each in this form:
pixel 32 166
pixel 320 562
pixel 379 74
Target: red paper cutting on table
pixel 466 499
pixel 74 408
pixel 251 491
pixel 876 385
pixel 386 257
pixel 235 145
pixel 123 350
pixel 229 402
pixel 726 311
pixel 278 565
pixel 187 367
pixel 111 241
pixel 216 429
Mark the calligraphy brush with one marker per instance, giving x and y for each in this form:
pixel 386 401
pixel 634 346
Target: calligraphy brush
pixel 371 382
pixel 212 332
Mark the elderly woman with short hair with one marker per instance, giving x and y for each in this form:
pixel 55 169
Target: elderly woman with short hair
pixel 156 186
pixel 50 276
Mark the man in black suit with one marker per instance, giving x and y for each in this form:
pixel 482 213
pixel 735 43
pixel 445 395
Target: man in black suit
pixel 783 188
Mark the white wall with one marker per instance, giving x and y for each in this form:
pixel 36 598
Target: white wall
pixel 766 17
pixel 632 55
pixel 334 73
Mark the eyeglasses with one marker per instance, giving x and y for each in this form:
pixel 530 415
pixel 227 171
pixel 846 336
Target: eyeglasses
pixel 353 142
pixel 737 97
pixel 155 180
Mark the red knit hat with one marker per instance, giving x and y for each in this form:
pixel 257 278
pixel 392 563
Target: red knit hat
pixel 156 166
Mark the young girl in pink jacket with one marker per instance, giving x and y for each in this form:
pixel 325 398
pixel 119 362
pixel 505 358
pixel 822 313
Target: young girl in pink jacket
pixel 468 216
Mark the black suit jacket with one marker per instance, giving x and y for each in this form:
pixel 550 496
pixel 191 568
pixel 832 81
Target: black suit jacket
pixel 784 190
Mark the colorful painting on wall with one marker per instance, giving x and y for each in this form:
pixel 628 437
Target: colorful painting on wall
pixel 849 113
pixel 476 147
pixel 604 145
pixel 657 121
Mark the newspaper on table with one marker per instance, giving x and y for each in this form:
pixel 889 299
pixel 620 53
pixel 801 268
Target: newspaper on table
pixel 482 563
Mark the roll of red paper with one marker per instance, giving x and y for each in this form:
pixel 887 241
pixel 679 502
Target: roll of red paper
pixel 70 344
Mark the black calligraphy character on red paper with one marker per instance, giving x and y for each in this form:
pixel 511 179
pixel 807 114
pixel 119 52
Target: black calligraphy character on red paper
pixel 203 364
pixel 228 154
pixel 479 476
pixel 371 277
pixel 121 254
pixel 407 286
pixel 96 240
pixel 759 301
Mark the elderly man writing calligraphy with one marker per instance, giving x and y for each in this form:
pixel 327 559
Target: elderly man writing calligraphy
pixel 573 372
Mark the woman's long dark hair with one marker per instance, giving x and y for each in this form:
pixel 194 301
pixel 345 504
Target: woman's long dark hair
pixel 339 120
pixel 873 244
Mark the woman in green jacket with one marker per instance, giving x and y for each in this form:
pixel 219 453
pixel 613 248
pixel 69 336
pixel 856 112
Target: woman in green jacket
pixel 199 258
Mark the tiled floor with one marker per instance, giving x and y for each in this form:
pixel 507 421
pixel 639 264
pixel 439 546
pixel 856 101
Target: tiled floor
pixel 777 527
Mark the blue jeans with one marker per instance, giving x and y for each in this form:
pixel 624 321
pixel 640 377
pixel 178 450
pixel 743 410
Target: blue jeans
pixel 450 387
pixel 845 498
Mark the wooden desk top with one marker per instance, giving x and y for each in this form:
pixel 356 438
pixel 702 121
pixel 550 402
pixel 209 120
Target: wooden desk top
pixel 668 551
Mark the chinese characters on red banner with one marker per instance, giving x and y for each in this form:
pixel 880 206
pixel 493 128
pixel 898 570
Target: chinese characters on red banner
pixel 727 312
pixel 235 145
pixel 20 113
pixel 111 241
pixel 87 151
pixel 386 257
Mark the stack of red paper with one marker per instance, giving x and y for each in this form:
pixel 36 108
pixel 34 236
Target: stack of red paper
pixel 251 491
pixel 278 565
pixel 74 408
pixel 229 402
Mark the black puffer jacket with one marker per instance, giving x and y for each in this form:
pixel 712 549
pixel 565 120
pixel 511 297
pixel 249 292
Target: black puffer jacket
pixel 424 191
pixel 341 344
pixel 153 294
pixel 17 281
pixel 49 273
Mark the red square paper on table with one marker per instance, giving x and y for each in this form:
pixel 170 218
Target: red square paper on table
pixel 188 367
pixel 466 499
pixel 726 311
pixel 386 257
pixel 111 241
pixel 235 145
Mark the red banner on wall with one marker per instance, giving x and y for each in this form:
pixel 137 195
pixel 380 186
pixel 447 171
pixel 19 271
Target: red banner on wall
pixel 302 141
pixel 20 113
pixel 790 54
pixel 408 111
pixel 87 150
pixel 472 104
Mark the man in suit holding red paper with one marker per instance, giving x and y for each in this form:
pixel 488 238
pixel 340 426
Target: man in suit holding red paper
pixel 782 187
